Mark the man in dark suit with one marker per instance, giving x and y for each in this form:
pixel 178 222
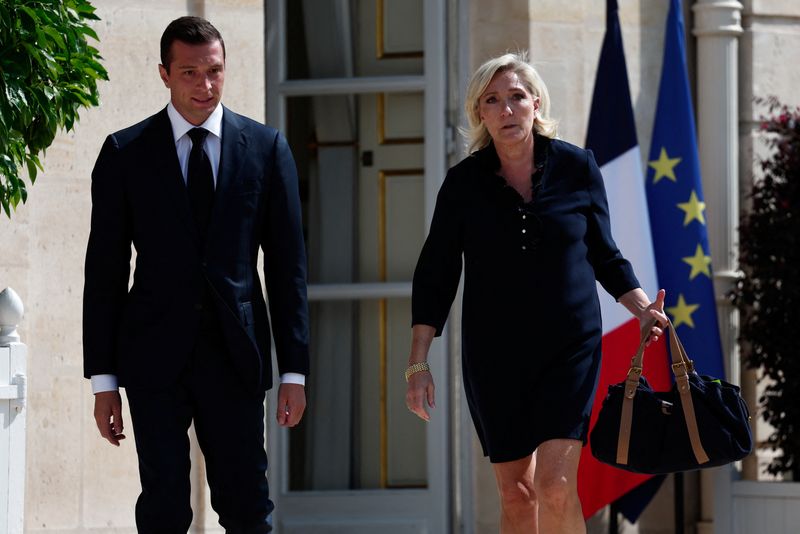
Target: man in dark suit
pixel 197 189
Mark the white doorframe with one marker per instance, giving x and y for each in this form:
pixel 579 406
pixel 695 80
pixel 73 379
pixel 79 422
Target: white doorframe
pixel 387 505
pixel 463 477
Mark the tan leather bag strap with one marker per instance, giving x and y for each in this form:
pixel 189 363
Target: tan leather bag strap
pixel 681 367
pixel 681 371
pixel 631 383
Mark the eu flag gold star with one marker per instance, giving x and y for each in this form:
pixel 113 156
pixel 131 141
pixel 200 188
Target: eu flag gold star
pixel 664 166
pixel 693 209
pixel 682 313
pixel 699 262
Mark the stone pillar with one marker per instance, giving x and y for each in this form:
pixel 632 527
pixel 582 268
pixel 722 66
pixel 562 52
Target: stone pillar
pixel 717 28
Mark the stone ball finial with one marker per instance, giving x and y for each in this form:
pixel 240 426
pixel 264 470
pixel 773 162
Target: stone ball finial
pixel 11 311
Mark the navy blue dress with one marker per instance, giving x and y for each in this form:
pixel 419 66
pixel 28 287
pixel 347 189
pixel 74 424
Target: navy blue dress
pixel 531 325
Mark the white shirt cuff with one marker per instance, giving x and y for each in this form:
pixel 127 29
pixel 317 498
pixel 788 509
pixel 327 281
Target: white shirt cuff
pixel 101 383
pixel 293 378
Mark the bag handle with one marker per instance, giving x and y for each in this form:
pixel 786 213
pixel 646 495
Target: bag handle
pixel 681 367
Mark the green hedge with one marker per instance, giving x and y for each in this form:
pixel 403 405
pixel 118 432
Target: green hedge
pixel 47 71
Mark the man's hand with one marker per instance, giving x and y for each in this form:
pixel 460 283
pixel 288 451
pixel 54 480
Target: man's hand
pixel 291 404
pixel 108 416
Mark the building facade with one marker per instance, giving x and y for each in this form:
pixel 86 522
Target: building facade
pixel 369 94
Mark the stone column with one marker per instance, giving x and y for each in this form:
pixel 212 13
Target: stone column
pixel 717 28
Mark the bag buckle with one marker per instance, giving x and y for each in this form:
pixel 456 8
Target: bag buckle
pixel 632 381
pixel 681 366
pixel 688 365
pixel 636 372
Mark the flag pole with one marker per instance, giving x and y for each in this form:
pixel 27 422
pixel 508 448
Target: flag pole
pixel 611 135
pixel 613 516
pixel 679 512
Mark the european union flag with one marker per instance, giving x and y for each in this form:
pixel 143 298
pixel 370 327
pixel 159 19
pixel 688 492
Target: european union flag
pixel 677 210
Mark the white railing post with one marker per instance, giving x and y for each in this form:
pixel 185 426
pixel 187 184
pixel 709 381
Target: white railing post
pixel 12 414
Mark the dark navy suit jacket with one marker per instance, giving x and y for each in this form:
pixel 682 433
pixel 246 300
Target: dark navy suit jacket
pixel 145 335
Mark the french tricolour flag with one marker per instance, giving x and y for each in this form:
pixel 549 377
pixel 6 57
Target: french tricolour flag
pixel 612 138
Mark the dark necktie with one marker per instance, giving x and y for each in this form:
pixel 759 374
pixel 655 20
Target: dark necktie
pixel 200 182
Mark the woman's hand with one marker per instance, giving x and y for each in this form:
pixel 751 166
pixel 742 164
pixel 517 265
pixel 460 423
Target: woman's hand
pixel 420 389
pixel 654 312
pixel 420 384
pixel 647 312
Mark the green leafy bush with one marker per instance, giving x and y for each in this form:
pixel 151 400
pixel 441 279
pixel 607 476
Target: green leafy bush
pixel 47 71
pixel 768 295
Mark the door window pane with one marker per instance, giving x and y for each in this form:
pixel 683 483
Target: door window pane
pixel 357 432
pixel 335 39
pixel 361 184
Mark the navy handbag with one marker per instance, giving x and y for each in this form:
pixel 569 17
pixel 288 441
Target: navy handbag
pixel 700 422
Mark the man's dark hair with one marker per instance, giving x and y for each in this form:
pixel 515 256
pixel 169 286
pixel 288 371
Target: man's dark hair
pixel 190 30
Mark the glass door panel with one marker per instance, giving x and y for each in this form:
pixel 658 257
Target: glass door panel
pixel 349 82
pixel 359 160
pixel 334 38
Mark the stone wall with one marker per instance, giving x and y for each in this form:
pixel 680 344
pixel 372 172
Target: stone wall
pixel 769 49
pixel 563 40
pixel 77 482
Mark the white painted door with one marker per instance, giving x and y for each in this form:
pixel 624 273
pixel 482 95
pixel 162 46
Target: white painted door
pixel 357 86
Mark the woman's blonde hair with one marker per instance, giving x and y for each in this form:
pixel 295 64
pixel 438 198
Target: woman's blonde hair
pixel 477 135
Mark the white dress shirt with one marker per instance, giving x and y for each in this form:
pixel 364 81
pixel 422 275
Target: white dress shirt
pixel 183 145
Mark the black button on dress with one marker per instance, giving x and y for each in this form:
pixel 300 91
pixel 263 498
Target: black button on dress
pixel 531 326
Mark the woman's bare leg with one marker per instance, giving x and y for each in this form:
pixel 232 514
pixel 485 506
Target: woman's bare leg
pixel 515 483
pixel 556 485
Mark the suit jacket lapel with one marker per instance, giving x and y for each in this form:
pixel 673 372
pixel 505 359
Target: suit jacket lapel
pixel 168 170
pixel 234 145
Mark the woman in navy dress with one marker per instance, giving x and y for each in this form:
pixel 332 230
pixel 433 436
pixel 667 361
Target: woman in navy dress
pixel 528 214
